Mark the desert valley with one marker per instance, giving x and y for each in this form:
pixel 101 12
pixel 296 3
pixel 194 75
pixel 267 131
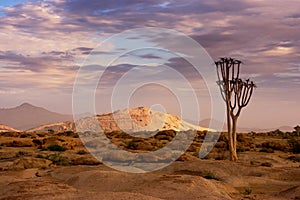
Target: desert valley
pixel 51 162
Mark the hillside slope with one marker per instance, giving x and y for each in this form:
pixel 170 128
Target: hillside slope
pixel 4 128
pixel 129 120
pixel 27 116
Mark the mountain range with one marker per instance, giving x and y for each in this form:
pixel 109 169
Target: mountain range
pixel 27 116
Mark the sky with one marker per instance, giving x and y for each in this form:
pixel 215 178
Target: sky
pixel 44 44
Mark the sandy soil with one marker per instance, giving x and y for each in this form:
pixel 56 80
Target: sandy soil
pixel 28 171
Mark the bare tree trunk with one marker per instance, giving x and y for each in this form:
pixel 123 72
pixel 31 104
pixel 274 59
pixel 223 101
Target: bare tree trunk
pixel 230 136
pixel 234 125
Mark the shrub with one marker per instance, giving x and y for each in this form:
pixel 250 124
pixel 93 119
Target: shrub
pixel 56 147
pixel 69 133
pixel 266 164
pixel 294 158
pixel 206 157
pixel 51 131
pixel 39 156
pixel 222 138
pixel 277 131
pixel 266 150
pixel 241 138
pixel 274 146
pixel 294 145
pixel 58 159
pixel 210 175
pixel 285 137
pixel 248 191
pixel 37 142
pixel 81 152
pixel 40 134
pixel 24 135
pixel 131 145
pixel 221 145
pixel 21 153
pixel 240 149
pixel 221 157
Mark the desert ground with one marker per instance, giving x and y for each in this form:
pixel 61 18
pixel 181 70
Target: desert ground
pixel 54 165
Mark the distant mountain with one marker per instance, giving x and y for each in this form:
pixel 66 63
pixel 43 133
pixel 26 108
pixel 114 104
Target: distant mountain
pixel 27 116
pixel 4 128
pixel 130 120
pixel 215 123
pixel 286 128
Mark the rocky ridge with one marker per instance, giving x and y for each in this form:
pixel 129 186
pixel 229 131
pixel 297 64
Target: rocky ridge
pixel 129 120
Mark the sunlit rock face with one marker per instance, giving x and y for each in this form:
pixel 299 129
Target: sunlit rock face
pixel 128 120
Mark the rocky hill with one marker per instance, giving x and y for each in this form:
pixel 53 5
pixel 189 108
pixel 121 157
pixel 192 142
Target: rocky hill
pixel 4 128
pixel 129 120
pixel 27 116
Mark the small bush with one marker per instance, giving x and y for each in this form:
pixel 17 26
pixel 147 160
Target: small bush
pixel 294 158
pixel 285 137
pixel 266 150
pixel 221 145
pixel 210 175
pixel 38 142
pixel 69 133
pixel 56 147
pixel 274 146
pixel 270 151
pixel 21 153
pixel 248 191
pixel 240 149
pixel 58 159
pixel 206 157
pixel 294 145
pixel 81 152
pixel 221 157
pixel 25 135
pixel 41 134
pixel 51 131
pixel 266 164
pixel 39 156
pixel 253 162
pixel 131 145
pixel 241 138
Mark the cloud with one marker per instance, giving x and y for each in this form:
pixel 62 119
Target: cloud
pixel 37 63
pixel 43 42
pixel 149 56
pixel 11 91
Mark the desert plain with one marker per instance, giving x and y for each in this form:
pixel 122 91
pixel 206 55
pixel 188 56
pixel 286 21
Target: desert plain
pixel 56 165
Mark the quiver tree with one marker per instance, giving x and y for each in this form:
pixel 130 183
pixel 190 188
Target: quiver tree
pixel 236 93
